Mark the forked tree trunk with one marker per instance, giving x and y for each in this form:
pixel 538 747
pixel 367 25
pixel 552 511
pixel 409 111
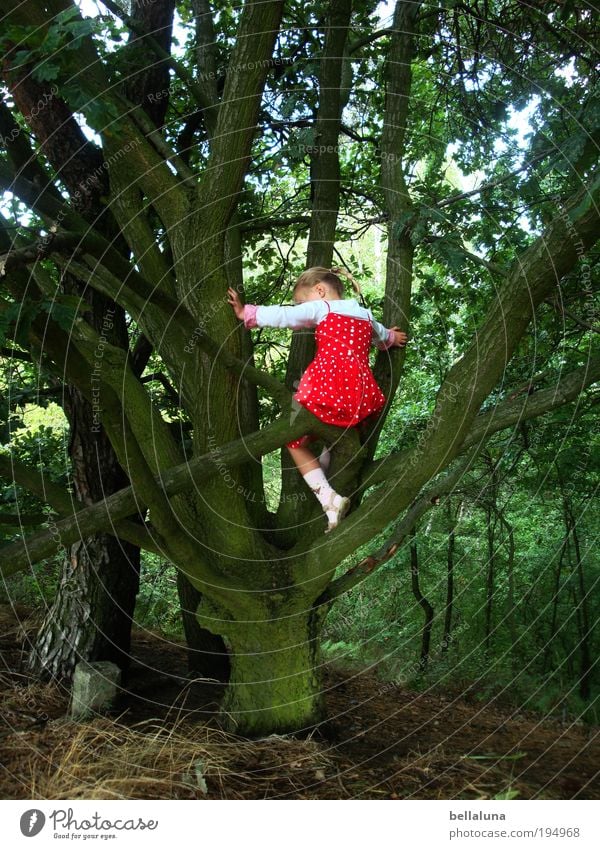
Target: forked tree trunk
pixel 512 618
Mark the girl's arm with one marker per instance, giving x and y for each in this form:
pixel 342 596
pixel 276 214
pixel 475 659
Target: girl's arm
pixel 301 315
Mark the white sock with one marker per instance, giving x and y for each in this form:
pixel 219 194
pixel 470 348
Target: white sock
pixel 323 490
pixel 320 485
pixel 324 458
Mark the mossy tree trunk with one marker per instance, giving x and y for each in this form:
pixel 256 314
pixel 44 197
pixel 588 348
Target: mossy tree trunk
pixel 275 682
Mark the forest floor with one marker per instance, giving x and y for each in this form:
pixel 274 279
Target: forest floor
pixel 380 741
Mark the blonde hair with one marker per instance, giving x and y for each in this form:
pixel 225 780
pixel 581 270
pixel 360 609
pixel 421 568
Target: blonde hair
pixel 329 276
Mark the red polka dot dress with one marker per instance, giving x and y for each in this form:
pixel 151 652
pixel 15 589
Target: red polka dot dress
pixel 338 386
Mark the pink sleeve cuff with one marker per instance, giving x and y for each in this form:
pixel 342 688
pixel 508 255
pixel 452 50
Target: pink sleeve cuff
pixel 250 315
pixel 390 340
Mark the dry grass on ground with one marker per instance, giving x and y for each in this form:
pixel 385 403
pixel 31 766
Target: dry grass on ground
pixel 379 742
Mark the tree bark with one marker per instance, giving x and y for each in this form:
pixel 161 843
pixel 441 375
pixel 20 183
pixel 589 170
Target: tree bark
pixel 275 682
pixel 550 639
pixel 206 652
pixel 147 80
pixel 91 615
pixel 175 220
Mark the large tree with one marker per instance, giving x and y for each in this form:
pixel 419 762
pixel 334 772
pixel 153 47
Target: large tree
pixel 282 119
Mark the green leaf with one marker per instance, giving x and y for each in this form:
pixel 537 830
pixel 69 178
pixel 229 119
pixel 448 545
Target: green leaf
pixel 45 71
pixel 65 309
pixel 18 316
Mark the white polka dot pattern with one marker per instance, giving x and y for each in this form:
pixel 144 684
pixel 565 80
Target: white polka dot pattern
pixel 338 386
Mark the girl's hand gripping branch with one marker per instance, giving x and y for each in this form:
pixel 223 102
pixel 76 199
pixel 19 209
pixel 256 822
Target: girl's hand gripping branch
pixel 401 338
pixel 234 299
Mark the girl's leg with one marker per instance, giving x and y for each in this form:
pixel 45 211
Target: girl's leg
pixel 334 504
pixel 304 459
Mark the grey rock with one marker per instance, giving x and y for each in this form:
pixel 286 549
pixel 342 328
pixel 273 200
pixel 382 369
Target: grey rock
pixel 95 688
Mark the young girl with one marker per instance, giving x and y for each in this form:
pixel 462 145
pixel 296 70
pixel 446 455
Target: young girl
pixel 338 386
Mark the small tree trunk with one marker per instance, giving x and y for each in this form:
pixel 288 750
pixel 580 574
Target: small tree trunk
pixel 427 608
pixel 449 585
pixel 490 580
pixel 587 664
pixel 547 664
pixel 90 617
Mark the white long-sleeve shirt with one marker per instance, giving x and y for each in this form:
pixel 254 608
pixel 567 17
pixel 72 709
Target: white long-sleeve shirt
pixel 310 313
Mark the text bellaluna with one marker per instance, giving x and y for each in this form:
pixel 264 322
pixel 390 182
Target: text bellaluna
pixel 476 815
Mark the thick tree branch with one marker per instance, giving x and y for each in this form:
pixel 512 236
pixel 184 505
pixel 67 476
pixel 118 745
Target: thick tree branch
pixel 43 247
pixel 22 158
pixel 485 425
pixel 102 516
pixel 17 520
pixel 262 224
pixel 63 503
pixel 369 564
pixel 170 348
pixel 68 363
pixel 206 58
pixel 238 112
pixel 491 184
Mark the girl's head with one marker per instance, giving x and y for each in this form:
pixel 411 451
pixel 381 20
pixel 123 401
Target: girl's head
pixel 322 283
